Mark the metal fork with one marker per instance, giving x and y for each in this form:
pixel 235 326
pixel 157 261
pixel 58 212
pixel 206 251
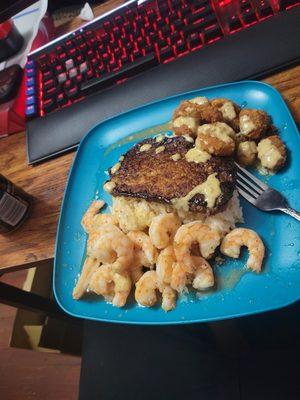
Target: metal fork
pixel 261 195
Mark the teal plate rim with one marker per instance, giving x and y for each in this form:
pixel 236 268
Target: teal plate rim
pixel 106 318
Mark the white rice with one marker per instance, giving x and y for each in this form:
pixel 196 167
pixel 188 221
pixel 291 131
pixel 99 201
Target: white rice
pixel 137 214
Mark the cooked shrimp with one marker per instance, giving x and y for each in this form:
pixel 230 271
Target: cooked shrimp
pixel 112 285
pixel 195 232
pixel 110 245
pixel 88 218
pixel 179 277
pixel 168 298
pixel 164 264
pixel 136 270
pixel 89 267
pixel 163 228
pixel 239 237
pixel 145 292
pixel 203 274
pixel 144 250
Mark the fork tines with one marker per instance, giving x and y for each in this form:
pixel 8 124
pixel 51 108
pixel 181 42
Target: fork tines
pixel 248 185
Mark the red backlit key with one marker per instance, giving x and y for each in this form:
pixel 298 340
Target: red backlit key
pixel 194 40
pixel 48 105
pixel 61 99
pixel 166 54
pixel 62 77
pixel 249 16
pixel 49 83
pixel 212 33
pixel 50 92
pixel 47 75
pixel 72 92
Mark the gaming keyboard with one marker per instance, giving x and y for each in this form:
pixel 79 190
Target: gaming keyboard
pixel 142 39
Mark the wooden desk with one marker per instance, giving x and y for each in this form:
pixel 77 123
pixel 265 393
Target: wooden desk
pixel 33 244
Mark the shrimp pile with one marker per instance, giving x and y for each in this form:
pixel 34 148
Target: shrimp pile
pixel 219 127
pixel 159 262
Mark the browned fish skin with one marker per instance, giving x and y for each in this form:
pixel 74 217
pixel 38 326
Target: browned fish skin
pixel 156 177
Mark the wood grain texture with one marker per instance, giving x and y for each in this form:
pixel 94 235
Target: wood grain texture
pixel 34 242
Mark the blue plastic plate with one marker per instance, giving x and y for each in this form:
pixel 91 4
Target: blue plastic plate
pixel 239 292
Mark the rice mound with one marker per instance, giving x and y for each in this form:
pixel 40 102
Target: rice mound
pixel 137 214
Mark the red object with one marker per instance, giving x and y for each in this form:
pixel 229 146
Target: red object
pixel 12 114
pixel 5 28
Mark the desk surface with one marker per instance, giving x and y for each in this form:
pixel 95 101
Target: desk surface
pixel 34 242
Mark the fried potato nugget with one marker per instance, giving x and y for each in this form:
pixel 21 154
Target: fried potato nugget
pixel 271 153
pixel 216 139
pixel 230 112
pixel 253 123
pixel 190 114
pixel 246 153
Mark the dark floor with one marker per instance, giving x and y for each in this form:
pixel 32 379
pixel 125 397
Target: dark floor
pixel 27 374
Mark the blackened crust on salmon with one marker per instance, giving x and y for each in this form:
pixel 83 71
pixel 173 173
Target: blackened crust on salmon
pixel 157 177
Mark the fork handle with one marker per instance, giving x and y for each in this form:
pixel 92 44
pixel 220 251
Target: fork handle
pixel 293 213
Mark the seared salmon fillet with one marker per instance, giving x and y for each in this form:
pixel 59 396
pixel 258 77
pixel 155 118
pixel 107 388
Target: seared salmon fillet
pixel 158 171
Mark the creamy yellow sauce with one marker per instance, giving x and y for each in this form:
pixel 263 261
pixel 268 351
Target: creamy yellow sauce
pixel 246 125
pixel 159 138
pixel 176 157
pixel 199 100
pixel 115 168
pixel 268 154
pixel 196 155
pixel 121 158
pixel 188 138
pixel 160 149
pixel 145 147
pixel 210 189
pixel 228 110
pixel 247 149
pixel 109 186
pixel 190 122
pixel 219 130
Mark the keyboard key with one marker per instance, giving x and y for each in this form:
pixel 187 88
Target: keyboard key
pixel 72 92
pixel 249 16
pixel 30 100
pixel 58 69
pixel 62 77
pixel 166 53
pixel 50 92
pixel 83 67
pixel 180 47
pixel 30 81
pixel 30 91
pixel 234 23
pixel 72 73
pixel 47 75
pixel 61 99
pixel 194 40
pixel 30 72
pixel 48 105
pixel 30 64
pixel 69 64
pixel 49 83
pixel 212 33
pixel 30 111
